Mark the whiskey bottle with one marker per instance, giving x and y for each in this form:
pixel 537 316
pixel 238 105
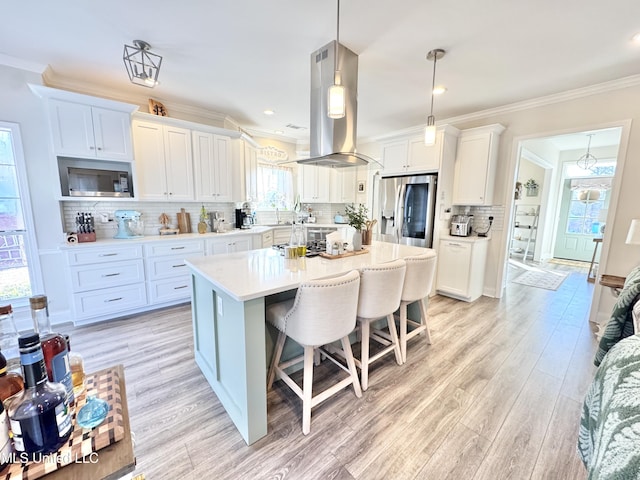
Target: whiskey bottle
pixel 39 416
pixel 10 382
pixel 54 346
pixel 76 363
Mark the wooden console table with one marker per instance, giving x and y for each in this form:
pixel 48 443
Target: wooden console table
pixel 612 281
pixel 591 278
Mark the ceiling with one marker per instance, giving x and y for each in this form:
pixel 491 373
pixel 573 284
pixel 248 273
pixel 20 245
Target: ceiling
pixel 241 57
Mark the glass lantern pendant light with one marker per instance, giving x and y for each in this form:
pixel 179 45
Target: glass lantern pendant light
pixel 430 129
pixel 142 66
pixel 587 161
pixel 336 100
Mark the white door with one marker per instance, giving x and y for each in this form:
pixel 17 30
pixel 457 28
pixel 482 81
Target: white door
pixel 112 131
pixel 179 165
pixel 72 129
pixel 578 224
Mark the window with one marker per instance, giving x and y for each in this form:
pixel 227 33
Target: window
pixel 584 211
pixel 15 275
pixel 275 187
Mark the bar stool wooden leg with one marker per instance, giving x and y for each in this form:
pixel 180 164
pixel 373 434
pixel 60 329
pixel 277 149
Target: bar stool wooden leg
pixel 307 386
pixel 277 353
pixel 403 331
pixel 346 348
pixel 364 354
pixel 423 314
pixel 394 338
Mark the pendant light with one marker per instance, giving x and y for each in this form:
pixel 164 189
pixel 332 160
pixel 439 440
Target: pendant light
pixel 587 161
pixel 142 66
pixel 336 101
pixel 430 129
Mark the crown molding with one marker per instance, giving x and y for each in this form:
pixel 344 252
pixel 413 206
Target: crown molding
pixel 271 136
pixel 625 82
pixel 22 64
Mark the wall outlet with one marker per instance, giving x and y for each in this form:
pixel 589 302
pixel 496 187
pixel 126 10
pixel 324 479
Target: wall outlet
pixel 104 217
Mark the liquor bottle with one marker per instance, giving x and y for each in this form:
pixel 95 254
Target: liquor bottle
pixel 39 416
pixel 10 382
pixel 54 346
pixel 5 439
pixel 8 333
pixel 76 363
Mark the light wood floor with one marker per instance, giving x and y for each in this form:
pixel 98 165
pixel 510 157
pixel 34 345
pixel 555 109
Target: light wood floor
pixel 497 395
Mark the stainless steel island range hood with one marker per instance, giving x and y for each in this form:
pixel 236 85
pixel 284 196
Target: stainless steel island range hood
pixel 333 141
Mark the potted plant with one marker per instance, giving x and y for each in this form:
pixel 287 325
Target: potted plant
pixel 357 218
pixel 532 187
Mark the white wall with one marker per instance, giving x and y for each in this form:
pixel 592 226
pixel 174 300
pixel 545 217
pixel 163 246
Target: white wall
pixel 19 105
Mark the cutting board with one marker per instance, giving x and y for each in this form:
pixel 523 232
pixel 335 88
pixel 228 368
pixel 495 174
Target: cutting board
pixel 342 255
pixel 184 221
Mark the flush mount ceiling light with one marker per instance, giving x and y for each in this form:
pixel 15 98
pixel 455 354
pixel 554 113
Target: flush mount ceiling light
pixel 430 129
pixel 268 111
pixel 142 66
pixel 336 100
pixel 587 161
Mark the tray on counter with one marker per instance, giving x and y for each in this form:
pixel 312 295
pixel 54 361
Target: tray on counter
pixel 82 442
pixel 345 254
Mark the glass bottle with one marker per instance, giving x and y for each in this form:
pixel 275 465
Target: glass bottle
pixel 8 333
pixel 10 382
pixel 54 346
pixel 39 416
pixel 76 363
pixel 5 439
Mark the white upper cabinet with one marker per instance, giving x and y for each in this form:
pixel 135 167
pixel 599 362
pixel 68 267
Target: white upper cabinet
pixel 411 155
pixel 164 167
pixel 475 165
pixel 85 131
pixel 314 184
pixel 212 167
pixel 343 185
pixel 251 172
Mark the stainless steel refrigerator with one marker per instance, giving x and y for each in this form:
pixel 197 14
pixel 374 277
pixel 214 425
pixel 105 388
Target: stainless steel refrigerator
pixel 406 208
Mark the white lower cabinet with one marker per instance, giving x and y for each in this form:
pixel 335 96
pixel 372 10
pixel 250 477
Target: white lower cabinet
pixel 107 280
pixel 461 267
pixel 231 244
pixel 168 277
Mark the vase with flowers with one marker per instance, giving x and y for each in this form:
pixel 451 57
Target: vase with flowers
pixel 532 187
pixel 357 218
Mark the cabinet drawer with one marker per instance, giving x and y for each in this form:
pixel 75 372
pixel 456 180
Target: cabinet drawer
pixel 172 248
pixel 167 267
pixel 104 275
pixel 111 300
pixel 100 255
pixel 172 289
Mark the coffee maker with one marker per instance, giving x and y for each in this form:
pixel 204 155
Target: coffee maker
pixel 244 216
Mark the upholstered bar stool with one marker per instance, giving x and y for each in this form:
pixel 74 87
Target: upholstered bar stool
pixel 380 291
pixel 418 281
pixel 322 312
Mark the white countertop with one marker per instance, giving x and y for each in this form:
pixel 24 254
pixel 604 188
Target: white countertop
pixel 167 238
pixel 469 239
pixel 257 273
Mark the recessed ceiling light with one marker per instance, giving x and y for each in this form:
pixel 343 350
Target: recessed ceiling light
pixel 279 132
pixel 439 89
pixel 636 38
pixel 269 112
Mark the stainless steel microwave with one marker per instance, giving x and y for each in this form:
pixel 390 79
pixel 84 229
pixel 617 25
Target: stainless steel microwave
pixel 81 177
pixel 91 182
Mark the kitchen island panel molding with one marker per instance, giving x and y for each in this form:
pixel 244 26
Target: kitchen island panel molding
pixel 230 349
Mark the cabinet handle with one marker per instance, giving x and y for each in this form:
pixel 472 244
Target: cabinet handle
pixel 113 300
pixel 111 274
pixel 99 148
pixel 107 254
pixel 182 286
pixel 178 266
pixel 92 148
pixel 177 248
pixel 454 244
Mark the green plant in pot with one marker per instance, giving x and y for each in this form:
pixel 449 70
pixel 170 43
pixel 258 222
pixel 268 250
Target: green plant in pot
pixel 357 218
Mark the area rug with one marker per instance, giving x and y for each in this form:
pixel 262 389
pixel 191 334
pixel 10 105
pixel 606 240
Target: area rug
pixel 541 279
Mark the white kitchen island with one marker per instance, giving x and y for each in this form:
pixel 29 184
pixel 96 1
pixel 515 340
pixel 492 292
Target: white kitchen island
pixel 230 292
